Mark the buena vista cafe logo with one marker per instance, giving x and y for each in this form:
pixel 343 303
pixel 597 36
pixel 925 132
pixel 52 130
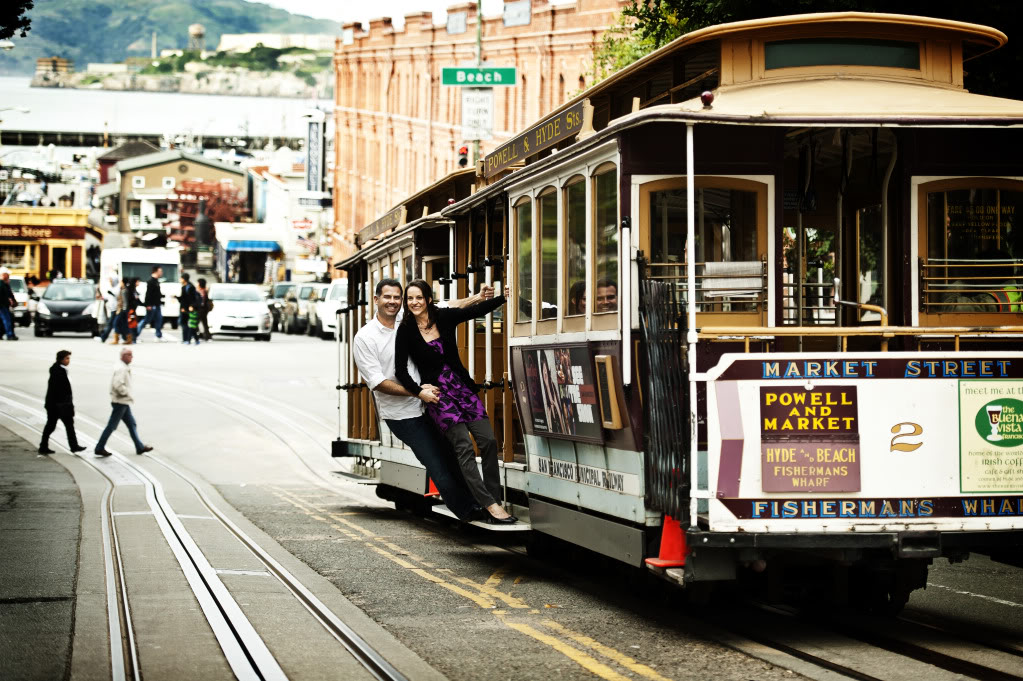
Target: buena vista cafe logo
pixel 1000 422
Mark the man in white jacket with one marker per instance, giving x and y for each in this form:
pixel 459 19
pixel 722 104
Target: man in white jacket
pixel 121 401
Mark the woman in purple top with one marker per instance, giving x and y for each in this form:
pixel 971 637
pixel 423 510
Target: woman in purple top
pixel 427 336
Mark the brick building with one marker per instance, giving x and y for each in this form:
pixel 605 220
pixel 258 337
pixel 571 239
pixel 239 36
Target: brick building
pixel 398 128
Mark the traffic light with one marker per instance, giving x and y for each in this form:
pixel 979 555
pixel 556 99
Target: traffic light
pixel 463 156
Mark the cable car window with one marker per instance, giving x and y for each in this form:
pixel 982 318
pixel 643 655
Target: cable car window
pixel 605 225
pixel 783 54
pixel 575 248
pixel 868 254
pixel 974 251
pixel 548 213
pixel 524 259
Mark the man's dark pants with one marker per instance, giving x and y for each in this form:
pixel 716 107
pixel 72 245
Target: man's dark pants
pixel 66 414
pixel 434 452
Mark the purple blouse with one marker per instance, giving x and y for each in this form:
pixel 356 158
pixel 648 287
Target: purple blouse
pixel 457 403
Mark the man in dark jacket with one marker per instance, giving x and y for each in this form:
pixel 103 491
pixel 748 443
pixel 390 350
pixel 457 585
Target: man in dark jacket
pixel 7 302
pixel 59 406
pixel 154 304
pixel 188 299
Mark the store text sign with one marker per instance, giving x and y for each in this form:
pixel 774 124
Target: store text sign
pixel 809 439
pixel 32 232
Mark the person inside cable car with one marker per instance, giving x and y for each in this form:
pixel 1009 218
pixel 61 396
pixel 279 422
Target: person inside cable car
pixel 426 335
pixel 607 296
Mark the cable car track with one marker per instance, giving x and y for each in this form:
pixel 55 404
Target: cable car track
pixel 245 650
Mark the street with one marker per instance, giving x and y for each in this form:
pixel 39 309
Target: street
pixel 249 425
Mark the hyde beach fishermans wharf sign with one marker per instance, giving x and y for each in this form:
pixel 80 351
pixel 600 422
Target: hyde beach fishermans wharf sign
pixel 809 439
pixel 560 126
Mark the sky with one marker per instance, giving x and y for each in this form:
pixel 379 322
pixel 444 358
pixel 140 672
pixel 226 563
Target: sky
pixel 353 10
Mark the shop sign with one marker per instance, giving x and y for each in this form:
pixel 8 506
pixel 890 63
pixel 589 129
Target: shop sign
pixel 558 127
pixel 991 436
pixel 33 232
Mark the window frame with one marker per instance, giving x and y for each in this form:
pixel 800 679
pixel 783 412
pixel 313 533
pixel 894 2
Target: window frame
pixel 138 181
pixel 603 320
pixel 574 322
pixel 550 324
pixel 520 202
pixel 921 186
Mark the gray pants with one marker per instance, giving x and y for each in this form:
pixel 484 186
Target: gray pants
pixel 488 490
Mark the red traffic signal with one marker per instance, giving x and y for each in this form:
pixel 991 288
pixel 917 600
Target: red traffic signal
pixel 463 156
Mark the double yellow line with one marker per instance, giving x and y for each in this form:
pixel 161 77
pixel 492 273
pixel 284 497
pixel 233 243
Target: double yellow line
pixel 513 613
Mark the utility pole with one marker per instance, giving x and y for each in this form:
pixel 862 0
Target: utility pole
pixel 479 62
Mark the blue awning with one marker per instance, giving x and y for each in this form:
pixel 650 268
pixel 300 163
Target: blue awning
pixel 253 246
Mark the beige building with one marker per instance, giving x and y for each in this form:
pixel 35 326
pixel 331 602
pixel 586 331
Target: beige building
pixel 144 184
pixel 399 129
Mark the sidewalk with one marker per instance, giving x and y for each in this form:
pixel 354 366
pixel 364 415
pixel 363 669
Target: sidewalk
pixel 40 520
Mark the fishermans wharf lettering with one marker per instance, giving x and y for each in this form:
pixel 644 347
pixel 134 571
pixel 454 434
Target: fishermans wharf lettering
pixel 876 509
pixel 548 133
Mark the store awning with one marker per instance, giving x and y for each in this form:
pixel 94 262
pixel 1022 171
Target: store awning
pixel 252 246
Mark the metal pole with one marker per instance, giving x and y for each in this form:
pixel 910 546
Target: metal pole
pixel 691 335
pixel 479 62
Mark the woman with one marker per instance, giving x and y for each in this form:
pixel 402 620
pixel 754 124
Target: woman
pixel 205 306
pixel 129 305
pixel 427 336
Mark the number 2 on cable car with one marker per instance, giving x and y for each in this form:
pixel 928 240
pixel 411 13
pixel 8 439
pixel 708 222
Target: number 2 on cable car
pixel 905 446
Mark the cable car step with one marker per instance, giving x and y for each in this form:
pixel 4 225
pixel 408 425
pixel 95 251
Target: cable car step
pixel 521 526
pixel 361 479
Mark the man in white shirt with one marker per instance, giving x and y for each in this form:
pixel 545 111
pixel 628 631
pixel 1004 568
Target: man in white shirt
pixel 403 413
pixel 120 402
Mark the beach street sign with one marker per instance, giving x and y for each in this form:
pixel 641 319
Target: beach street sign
pixel 477 76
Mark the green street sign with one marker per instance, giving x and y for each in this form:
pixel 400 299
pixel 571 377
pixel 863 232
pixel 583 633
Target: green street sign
pixel 477 76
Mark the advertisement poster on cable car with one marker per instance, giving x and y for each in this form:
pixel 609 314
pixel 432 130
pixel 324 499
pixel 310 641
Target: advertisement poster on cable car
pixel 562 393
pixel 867 440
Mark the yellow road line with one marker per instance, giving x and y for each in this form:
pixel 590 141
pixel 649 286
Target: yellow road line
pixel 499 573
pixel 512 601
pixel 478 600
pixel 606 651
pixel 579 657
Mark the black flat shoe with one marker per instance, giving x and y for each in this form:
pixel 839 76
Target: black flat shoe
pixel 78 449
pixel 45 450
pixel 510 520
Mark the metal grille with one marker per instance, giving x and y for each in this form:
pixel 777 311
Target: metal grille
pixel 666 416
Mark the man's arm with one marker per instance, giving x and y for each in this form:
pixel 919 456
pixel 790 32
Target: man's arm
pixel 389 387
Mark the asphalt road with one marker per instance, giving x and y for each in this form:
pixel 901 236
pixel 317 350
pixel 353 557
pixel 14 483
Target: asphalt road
pixel 256 419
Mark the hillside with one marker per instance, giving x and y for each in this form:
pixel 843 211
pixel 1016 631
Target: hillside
pixel 110 30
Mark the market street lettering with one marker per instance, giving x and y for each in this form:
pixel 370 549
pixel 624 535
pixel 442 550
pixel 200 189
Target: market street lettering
pixel 916 368
pixel 958 368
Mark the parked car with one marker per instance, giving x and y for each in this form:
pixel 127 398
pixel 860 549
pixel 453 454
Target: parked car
pixel 239 310
pixel 326 310
pixel 276 300
pixel 314 325
pixel 22 312
pixel 295 315
pixel 67 305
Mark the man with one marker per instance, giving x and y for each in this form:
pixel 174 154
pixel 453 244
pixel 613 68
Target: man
pixel 154 304
pixel 607 296
pixel 7 301
pixel 59 405
pixel 120 402
pixel 188 299
pixel 403 413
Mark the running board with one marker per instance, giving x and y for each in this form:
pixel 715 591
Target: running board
pixel 521 526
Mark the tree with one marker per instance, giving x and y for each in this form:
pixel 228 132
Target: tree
pixel 653 23
pixel 13 19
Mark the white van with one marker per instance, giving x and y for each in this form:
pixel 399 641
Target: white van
pixel 139 262
pixel 326 309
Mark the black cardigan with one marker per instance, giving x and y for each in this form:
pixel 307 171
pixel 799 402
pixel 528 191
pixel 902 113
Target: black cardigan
pixel 409 342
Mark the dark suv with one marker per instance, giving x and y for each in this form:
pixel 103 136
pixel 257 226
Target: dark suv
pixel 67 305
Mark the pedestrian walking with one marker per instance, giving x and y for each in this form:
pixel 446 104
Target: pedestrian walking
pixel 59 405
pixel 120 402
pixel 205 305
pixel 154 304
pixel 7 301
pixel 112 296
pixel 187 299
pixel 129 305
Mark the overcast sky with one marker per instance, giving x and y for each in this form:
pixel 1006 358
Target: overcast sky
pixel 351 10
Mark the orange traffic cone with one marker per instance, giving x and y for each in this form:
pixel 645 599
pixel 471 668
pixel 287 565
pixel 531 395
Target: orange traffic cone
pixel 432 492
pixel 673 545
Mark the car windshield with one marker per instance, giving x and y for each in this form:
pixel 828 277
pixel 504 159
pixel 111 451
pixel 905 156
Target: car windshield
pixel 144 270
pixel 338 293
pixel 303 293
pixel 69 292
pixel 17 285
pixel 281 290
pixel 232 293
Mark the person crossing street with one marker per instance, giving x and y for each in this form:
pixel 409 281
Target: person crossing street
pixel 120 402
pixel 59 405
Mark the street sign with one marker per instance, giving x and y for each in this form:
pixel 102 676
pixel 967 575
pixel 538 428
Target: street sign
pixel 477 113
pixel 477 76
